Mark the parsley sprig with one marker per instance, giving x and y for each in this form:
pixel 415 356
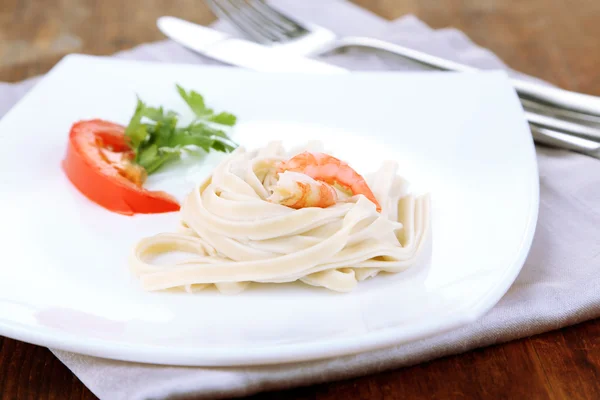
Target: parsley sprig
pixel 157 140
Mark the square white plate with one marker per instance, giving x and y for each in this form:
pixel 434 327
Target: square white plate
pixel 64 279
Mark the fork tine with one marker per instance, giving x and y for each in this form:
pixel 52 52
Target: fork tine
pixel 226 10
pixel 256 19
pixel 289 27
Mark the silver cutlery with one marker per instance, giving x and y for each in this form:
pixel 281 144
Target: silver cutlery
pixel 225 48
pixel 230 50
pixel 266 25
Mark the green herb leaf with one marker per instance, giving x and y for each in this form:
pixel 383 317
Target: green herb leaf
pixel 163 131
pixel 136 131
pixel 185 138
pixel 147 155
pixel 209 131
pixel 156 140
pixel 154 114
pixel 195 101
pixel 223 147
pixel 162 158
pixel 224 118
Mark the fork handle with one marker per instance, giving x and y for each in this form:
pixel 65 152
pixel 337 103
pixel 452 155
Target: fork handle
pixel 562 98
pixel 564 141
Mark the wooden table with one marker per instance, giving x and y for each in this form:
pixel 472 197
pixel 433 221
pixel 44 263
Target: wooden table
pixel 557 40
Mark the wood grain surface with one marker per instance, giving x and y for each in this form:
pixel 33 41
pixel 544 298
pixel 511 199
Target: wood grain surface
pixel 557 40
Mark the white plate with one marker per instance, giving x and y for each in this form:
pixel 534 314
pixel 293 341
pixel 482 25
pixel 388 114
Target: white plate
pixel 64 280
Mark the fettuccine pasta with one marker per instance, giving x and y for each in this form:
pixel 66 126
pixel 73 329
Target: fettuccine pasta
pixel 236 229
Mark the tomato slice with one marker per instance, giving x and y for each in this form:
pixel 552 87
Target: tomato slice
pixel 98 163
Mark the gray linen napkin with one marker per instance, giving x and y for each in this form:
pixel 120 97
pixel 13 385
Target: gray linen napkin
pixel 558 286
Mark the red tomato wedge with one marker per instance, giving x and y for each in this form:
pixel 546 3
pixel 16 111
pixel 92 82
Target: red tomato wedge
pixel 98 163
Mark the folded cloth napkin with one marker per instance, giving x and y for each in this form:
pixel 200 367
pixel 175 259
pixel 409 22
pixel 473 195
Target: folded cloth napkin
pixel 558 286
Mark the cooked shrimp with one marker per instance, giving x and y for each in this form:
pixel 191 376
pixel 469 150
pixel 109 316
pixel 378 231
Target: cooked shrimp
pixel 298 190
pixel 325 168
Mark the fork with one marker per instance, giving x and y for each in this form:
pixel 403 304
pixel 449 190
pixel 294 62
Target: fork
pixel 264 24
